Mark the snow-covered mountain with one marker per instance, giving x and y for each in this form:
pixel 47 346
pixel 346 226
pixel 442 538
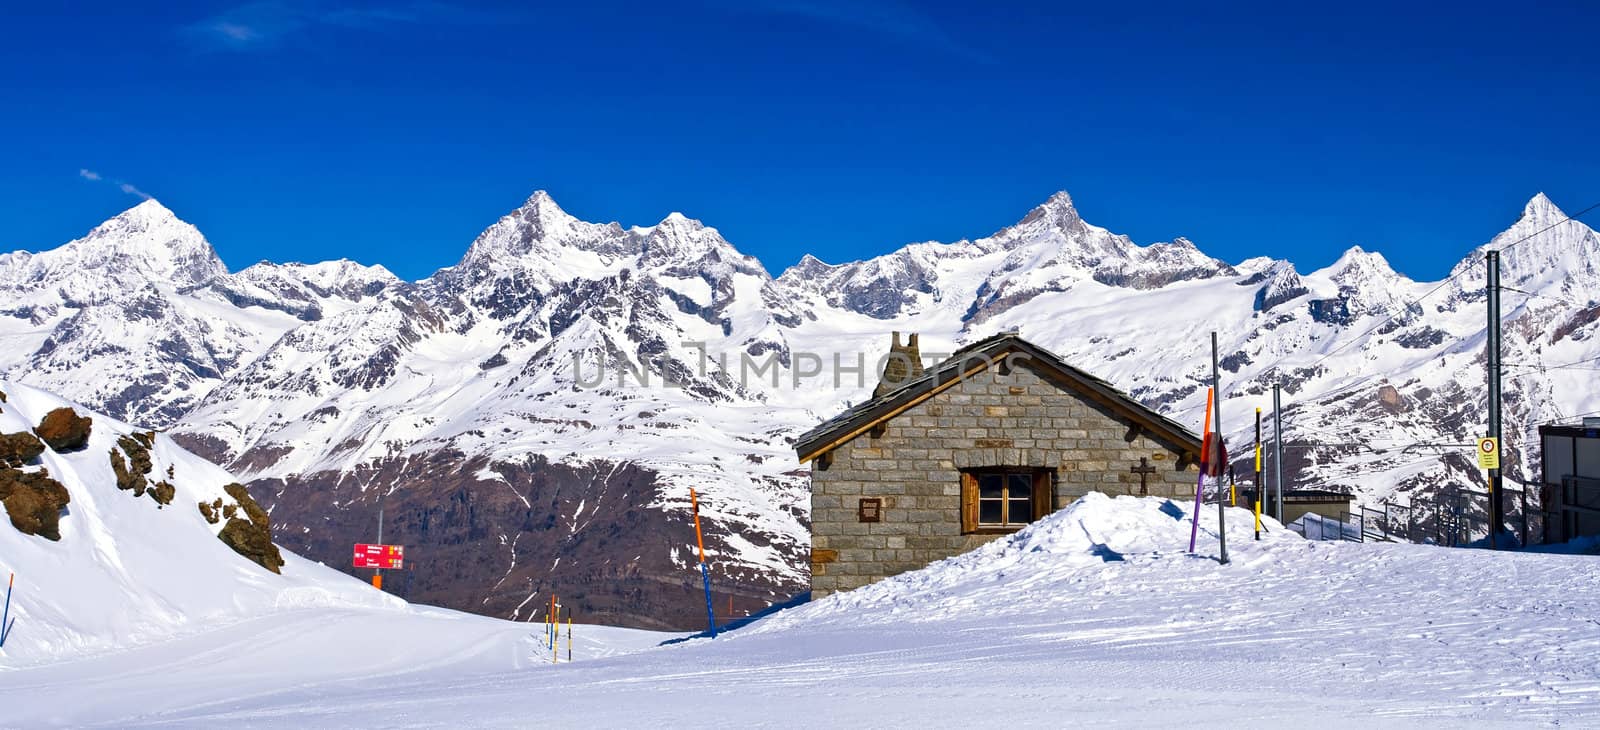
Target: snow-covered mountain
pixel 535 415
pixel 141 319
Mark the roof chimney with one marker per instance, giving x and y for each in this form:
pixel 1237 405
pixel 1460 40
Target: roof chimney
pixel 904 363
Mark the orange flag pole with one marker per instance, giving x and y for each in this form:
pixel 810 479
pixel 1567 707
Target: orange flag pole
pixel 705 573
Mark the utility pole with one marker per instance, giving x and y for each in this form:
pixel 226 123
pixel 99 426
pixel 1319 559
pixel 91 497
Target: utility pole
pixel 377 573
pixel 1277 448
pixel 1496 494
pixel 1216 414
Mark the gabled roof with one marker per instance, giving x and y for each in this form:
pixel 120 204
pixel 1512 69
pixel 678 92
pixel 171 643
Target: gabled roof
pixel 970 360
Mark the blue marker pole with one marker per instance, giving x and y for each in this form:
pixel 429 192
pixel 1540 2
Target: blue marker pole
pixel 705 573
pixel 6 622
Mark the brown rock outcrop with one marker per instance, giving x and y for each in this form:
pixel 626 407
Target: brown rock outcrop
pixel 19 448
pixel 64 430
pixel 33 501
pixel 252 536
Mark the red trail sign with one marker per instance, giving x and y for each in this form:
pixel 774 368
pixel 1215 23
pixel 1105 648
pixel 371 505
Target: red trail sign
pixel 384 557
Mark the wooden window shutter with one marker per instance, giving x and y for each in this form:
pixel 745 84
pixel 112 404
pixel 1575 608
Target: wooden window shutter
pixel 1043 500
pixel 969 502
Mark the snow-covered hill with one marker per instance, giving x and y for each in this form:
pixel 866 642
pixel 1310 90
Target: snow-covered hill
pixel 1096 614
pixel 498 405
pixel 136 564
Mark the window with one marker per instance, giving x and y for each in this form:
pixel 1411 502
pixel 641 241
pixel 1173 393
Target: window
pixel 1003 499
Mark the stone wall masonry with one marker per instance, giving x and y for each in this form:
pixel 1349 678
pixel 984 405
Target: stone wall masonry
pixel 914 464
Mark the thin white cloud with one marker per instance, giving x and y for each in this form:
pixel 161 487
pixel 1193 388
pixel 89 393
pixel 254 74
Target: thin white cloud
pixel 887 17
pixel 235 32
pixel 262 25
pixel 125 187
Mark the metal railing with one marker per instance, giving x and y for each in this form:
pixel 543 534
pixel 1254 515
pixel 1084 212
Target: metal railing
pixel 1452 519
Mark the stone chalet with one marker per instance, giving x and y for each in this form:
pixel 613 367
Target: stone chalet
pixel 978 446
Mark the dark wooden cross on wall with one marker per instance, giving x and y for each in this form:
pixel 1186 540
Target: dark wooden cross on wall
pixel 1144 470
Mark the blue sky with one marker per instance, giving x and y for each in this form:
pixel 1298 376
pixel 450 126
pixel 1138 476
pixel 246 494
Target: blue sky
pixel 394 132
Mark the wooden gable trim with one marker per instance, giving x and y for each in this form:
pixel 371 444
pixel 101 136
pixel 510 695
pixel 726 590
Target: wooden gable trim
pixel 1042 362
pixel 902 408
pixel 1117 406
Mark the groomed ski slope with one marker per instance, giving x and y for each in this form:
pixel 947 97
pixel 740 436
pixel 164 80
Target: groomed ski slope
pixel 139 609
pixel 1048 628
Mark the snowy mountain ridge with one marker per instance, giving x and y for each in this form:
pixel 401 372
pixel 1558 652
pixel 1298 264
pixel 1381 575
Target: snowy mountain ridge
pixel 511 380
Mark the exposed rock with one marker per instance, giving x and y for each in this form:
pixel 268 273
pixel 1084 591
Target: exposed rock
pixel 1422 338
pixel 1571 328
pixel 34 502
pixel 494 361
pixel 1283 284
pixel 252 536
pixel 209 510
pixel 131 474
pixel 162 493
pixel 1391 400
pixel 64 430
pixel 128 478
pixel 1331 311
pixel 1237 360
pixel 19 448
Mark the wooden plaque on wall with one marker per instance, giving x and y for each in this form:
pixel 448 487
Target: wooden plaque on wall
pixel 870 509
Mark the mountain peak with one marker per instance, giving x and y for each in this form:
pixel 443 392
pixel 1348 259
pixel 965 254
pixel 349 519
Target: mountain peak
pixel 1359 264
pixel 1060 199
pixel 679 220
pixel 150 209
pixel 147 238
pixel 1057 212
pixel 1541 208
pixel 541 206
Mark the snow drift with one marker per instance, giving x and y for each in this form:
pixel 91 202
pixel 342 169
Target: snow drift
pixel 1094 530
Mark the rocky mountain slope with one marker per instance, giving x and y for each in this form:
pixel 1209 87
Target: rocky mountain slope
pixel 535 415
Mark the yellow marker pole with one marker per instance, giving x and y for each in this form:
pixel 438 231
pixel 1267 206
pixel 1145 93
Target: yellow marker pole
pixel 1261 492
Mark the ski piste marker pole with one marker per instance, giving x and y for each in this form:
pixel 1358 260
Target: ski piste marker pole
pixel 705 573
pixel 1261 494
pixel 1205 443
pixel 6 622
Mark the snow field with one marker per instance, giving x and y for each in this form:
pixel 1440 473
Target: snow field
pixel 1096 616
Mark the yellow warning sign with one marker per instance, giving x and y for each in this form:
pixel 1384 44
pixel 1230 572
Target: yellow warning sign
pixel 1488 453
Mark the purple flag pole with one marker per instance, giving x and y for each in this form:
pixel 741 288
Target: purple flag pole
pixel 1200 484
pixel 1194 524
